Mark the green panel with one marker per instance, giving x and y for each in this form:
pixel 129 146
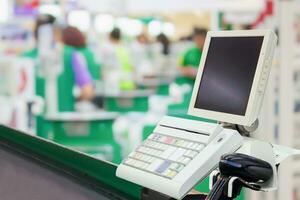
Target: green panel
pixel 242 196
pixel 93 130
pixel 98 169
pixel 203 187
pixel 163 90
pixel 138 104
pixel 94 138
pixel 44 128
pixel 148 129
pixel 109 151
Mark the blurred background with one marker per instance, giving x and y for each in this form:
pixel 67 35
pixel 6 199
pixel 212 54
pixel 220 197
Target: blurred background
pixel 98 75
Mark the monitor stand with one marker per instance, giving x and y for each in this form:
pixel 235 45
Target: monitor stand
pixel 243 130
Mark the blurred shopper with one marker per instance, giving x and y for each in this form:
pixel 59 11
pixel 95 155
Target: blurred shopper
pixel 191 58
pixel 79 71
pixel 165 44
pixel 42 127
pixel 188 72
pixel 165 61
pixel 141 54
pixel 119 70
pixel 41 20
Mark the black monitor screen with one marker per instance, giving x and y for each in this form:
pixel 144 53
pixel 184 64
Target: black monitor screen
pixel 228 74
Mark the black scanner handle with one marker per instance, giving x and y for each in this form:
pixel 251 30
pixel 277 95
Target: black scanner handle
pixel 245 167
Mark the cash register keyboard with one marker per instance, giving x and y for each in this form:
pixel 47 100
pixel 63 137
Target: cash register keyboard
pixel 177 155
pixel 164 155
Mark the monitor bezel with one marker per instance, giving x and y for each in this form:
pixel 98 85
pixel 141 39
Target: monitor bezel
pixel 252 106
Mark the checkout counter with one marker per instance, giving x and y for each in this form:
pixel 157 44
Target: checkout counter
pixel 159 83
pixel 37 168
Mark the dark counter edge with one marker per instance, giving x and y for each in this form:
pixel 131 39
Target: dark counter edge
pixel 72 162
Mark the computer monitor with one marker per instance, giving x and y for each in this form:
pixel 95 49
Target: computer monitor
pixel 232 75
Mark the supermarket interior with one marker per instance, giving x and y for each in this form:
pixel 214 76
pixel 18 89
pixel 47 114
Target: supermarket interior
pixel 83 83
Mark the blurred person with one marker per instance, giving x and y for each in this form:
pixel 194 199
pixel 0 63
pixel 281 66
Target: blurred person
pixel 42 126
pixel 142 38
pixel 191 59
pixel 79 70
pixel 41 20
pixel 116 59
pixel 163 58
pixel 188 71
pixel 165 43
pixel 141 54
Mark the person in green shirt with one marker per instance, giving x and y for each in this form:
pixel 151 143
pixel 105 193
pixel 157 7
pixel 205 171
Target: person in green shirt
pixel 191 58
pixel 79 71
pixel 188 71
pixel 116 57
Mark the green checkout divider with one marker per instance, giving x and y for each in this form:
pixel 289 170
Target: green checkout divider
pixel 91 137
pixel 163 90
pixel 97 169
pixel 124 105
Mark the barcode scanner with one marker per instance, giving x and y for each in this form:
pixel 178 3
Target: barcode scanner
pixel 249 170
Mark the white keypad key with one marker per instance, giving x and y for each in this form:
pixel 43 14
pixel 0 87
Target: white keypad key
pixel 163 146
pixel 136 163
pixel 200 147
pixel 142 157
pixel 163 167
pixel 129 161
pixel 168 152
pixel 191 154
pixel 185 144
pixel 156 145
pixel 195 145
pixel 184 160
pixel 143 149
pixel 177 154
pixel 180 143
pixel 149 159
pixel 170 173
pixel 190 145
pixel 177 167
pixel 155 164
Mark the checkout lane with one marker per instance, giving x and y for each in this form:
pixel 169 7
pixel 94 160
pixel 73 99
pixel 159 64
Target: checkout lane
pixel 95 134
